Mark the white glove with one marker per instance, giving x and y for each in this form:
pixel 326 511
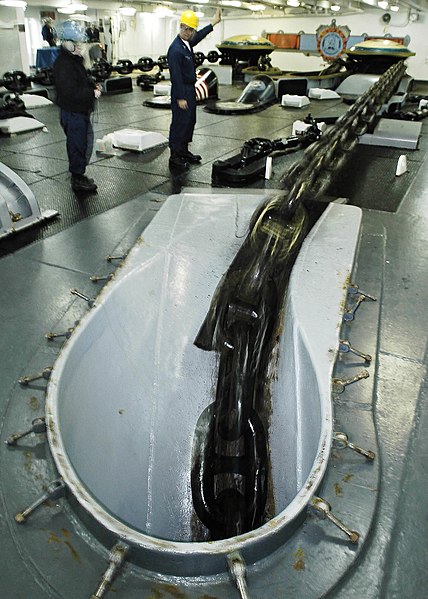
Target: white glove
pixel 97 93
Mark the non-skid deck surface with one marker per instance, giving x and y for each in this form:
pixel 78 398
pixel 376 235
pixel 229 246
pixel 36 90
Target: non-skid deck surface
pixel 40 159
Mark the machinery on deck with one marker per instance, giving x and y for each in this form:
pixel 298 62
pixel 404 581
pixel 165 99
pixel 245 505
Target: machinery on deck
pixel 206 88
pixel 19 208
pixel 250 163
pixel 257 95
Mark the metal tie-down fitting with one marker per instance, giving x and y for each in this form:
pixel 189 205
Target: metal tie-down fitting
pixel 349 313
pixel 67 334
pixel 38 426
pixel 362 296
pixel 353 289
pixel 45 374
pixel 340 384
pixel 111 258
pixel 345 347
pixel 341 441
pixel 97 278
pixel 116 558
pixel 324 508
pixel 55 490
pixel 91 301
pixel 238 572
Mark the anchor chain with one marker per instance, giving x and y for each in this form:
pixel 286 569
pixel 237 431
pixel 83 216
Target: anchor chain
pixel 310 177
pixel 230 467
pixel 411 115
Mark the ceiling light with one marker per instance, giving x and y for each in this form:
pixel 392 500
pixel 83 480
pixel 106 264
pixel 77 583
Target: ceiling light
pixel 199 14
pixel 394 8
pixel 66 10
pixel 256 7
pixel 72 8
pixel 13 3
pixel 294 3
pixel 335 7
pixel 163 11
pixel 127 11
pixel 383 4
pixel 78 6
pixel 234 3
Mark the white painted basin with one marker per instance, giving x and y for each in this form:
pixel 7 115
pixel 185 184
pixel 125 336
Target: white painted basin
pixel 129 386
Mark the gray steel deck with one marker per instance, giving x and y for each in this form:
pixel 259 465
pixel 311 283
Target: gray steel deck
pixel 53 555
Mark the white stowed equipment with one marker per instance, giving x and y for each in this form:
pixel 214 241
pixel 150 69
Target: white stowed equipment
pixel 401 166
pixel 34 101
pixel 300 127
pixel 130 139
pixel 18 206
pixel 19 124
pixel 136 139
pixel 162 88
pixel 294 101
pixel 323 94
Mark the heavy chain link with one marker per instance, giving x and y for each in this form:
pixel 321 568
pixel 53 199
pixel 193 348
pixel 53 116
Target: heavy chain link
pixel 310 177
pixel 230 468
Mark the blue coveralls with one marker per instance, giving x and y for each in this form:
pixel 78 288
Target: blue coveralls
pixel 75 97
pixel 183 77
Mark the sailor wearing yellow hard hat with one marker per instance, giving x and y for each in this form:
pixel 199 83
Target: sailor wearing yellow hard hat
pixel 183 96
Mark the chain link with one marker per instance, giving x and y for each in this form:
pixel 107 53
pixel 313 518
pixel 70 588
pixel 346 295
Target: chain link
pixel 230 467
pixel 328 154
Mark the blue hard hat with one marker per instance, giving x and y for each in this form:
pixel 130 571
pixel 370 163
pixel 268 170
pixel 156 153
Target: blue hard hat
pixel 73 31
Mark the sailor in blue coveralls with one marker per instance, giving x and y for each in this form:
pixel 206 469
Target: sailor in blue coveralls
pixel 183 96
pixel 76 93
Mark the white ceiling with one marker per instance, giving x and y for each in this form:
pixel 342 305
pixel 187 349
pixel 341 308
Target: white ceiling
pixel 274 8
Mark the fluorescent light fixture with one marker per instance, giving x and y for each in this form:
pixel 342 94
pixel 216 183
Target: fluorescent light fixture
pixel 294 3
pixel 71 8
pixel 256 7
pixel 127 11
pixel 394 8
pixel 335 7
pixel 234 3
pixel 199 14
pixel 79 6
pixel 203 1
pixel 383 4
pixel 13 3
pixel 163 11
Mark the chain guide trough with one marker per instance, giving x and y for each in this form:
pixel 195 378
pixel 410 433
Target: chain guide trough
pixel 122 443
pixel 19 208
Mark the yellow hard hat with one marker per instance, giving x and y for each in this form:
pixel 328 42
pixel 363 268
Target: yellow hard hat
pixel 190 19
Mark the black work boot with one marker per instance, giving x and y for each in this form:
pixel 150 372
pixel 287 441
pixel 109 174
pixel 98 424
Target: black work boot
pixel 192 158
pixel 178 161
pixel 86 179
pixel 82 183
